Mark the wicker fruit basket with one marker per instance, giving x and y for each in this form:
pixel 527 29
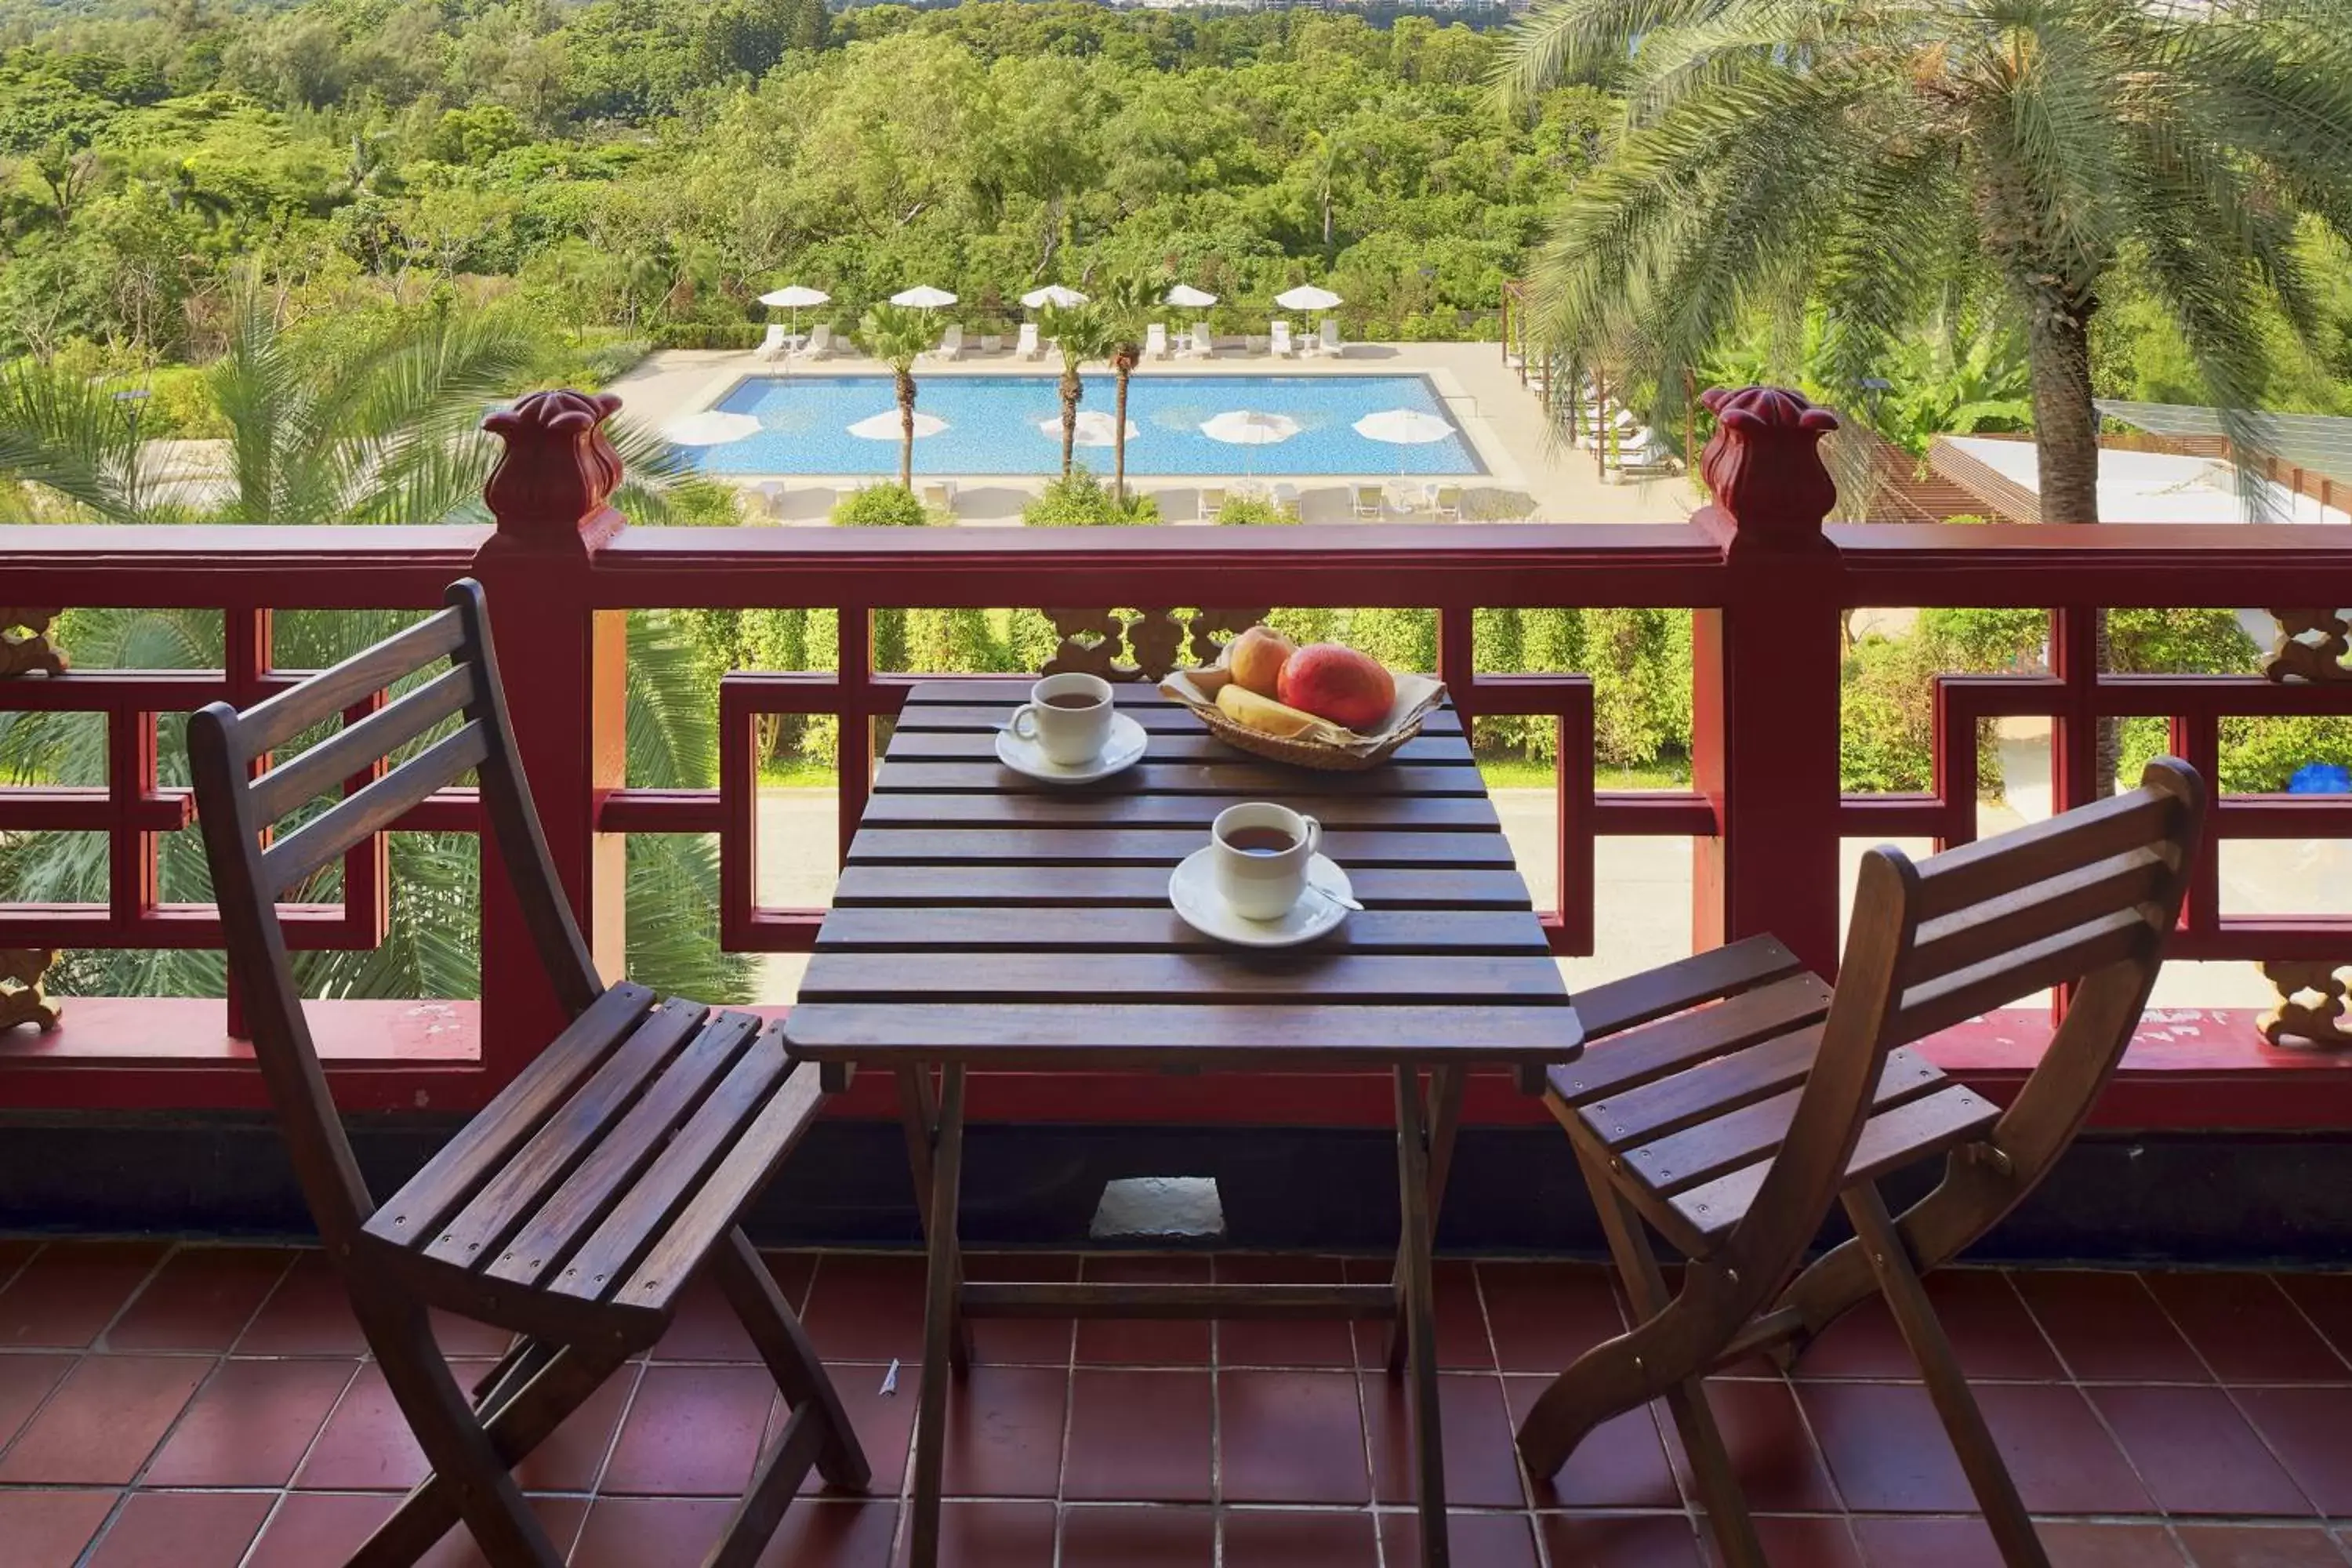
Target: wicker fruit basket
pixel 1325 746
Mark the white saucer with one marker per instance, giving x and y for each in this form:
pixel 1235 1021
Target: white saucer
pixel 1192 889
pixel 1120 752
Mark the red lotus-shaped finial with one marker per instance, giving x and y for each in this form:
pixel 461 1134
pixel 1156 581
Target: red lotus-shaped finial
pixel 1764 464
pixel 559 470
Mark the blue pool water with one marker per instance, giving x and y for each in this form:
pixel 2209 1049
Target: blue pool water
pixel 993 425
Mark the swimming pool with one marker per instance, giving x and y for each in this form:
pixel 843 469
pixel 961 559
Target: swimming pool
pixel 993 425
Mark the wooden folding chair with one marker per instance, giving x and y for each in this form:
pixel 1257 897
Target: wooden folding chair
pixel 1727 1099
pixel 576 1209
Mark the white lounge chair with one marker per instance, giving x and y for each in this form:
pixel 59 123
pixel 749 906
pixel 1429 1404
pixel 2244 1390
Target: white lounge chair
pixel 939 494
pixel 819 344
pixel 1327 339
pixel 1370 503
pixel 1445 501
pixel 774 345
pixel 1155 341
pixel 1213 501
pixel 1286 499
pixel 1279 342
pixel 1025 346
pixel 951 343
pixel 1205 345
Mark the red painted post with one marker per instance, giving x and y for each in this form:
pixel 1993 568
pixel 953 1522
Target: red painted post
pixel 564 667
pixel 1765 694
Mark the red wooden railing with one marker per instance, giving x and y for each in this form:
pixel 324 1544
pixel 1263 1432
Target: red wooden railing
pixel 1767 582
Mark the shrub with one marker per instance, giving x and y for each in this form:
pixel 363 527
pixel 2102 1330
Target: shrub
pixel 1242 509
pixel 1080 500
pixel 709 335
pixel 881 506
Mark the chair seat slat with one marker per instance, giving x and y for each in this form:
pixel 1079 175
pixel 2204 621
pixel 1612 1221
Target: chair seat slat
pixel 296 857
pixel 351 751
pixel 1705 977
pixel 1655 1050
pixel 1711 1089
pixel 1680 1161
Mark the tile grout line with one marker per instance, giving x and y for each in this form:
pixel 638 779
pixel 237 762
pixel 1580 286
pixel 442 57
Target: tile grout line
pixel 1069 1422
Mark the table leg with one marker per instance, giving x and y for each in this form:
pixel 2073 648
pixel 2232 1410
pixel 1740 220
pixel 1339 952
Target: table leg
pixel 919 1114
pixel 1444 1118
pixel 939 1319
pixel 1419 1318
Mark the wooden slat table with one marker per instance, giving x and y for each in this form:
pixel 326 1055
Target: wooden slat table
pixel 988 921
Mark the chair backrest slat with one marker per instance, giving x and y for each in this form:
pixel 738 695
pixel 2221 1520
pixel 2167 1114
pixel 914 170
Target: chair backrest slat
pixel 2013 919
pixel 325 695
pixel 291 861
pixel 1975 872
pixel 2008 977
pixel 353 750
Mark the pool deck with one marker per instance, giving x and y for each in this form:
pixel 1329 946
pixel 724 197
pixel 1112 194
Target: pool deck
pixel 1530 477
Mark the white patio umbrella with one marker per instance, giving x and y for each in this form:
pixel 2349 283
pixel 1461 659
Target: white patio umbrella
pixel 923 297
pixel 791 297
pixel 1187 297
pixel 884 427
pixel 1095 429
pixel 1249 429
pixel 1402 428
pixel 1306 297
pixel 710 429
pixel 1053 294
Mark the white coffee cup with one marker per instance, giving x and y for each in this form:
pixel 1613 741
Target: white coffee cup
pixel 1067 717
pixel 1262 851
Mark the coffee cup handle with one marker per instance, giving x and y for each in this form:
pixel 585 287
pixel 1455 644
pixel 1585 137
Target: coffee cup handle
pixel 1314 832
pixel 1026 711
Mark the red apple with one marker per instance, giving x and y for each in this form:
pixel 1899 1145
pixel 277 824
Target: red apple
pixel 1256 660
pixel 1336 682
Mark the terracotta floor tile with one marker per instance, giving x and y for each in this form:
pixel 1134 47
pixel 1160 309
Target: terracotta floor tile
pixel 829 1533
pixel 314 1528
pixel 183 1530
pixel 51 1527
pixel 310 1313
pixel 1927 1544
pixel 16 1251
pixel 706 1328
pixel 792 1271
pixel 103 1420
pixel 1885 1449
pixel 1619 1539
pixel 2256 1546
pixel 1621 1464
pixel 2073 1544
pixel 1112 1537
pixel 1545 1315
pixel 1004 1431
pixel 885 1423
pixel 2195 1454
pixel 2327 1300
pixel 366 1444
pixel 463 1338
pixel 250 1425
pixel 2246 1329
pixel 1295 1436
pixel 560 1517
pixel 1258 1539
pixel 1482 1468
pixel 650 1533
pixel 200 1300
pixel 2107 1327
pixel 866 1306
pixel 1818 1541
pixel 996 1535
pixel 1486 1539
pixel 25 1379
pixel 71 1290
pixel 1461 1340
pixel 2061 1460
pixel 692 1431
pixel 1771 1453
pixel 1137 1436
pixel 1991 1333
pixel 1263 1341
pixel 2305 1428
pixel 1114 1342
pixel 1022 1342
pixel 573 1454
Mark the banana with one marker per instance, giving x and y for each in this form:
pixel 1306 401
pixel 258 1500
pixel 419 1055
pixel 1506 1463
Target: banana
pixel 1263 714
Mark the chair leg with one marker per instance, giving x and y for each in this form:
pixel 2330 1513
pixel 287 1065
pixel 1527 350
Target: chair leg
pixel 1710 1462
pixel 464 1458
pixel 768 1319
pixel 2004 1511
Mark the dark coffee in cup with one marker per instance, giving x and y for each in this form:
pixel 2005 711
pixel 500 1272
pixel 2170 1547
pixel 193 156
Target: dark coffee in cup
pixel 1073 700
pixel 1260 841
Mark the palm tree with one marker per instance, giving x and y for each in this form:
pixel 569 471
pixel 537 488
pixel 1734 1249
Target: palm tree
pixel 1080 333
pixel 898 335
pixel 383 430
pixel 1128 304
pixel 1858 156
